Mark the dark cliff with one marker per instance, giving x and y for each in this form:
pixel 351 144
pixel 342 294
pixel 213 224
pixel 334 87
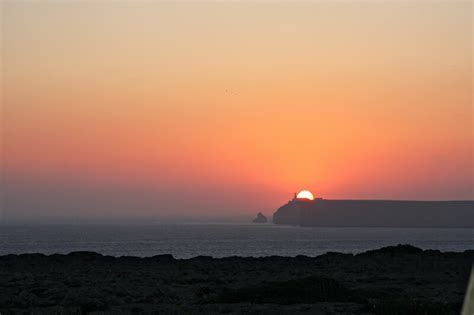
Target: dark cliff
pixel 377 213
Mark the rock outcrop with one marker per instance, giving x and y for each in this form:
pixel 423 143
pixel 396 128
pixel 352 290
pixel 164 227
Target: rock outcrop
pixel 392 280
pixel 260 218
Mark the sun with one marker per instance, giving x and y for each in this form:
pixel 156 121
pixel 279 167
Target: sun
pixel 305 194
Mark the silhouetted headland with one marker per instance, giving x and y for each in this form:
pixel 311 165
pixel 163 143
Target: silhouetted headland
pixel 392 280
pixel 375 213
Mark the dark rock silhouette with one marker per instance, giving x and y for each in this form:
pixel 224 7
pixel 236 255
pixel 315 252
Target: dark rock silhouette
pixel 376 213
pixel 260 218
pixel 393 280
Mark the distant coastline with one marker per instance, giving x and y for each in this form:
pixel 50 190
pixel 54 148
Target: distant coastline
pixel 376 213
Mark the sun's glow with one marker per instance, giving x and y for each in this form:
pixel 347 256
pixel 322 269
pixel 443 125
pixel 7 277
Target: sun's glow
pixel 305 194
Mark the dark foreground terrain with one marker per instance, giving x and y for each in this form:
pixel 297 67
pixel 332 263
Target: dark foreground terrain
pixel 391 280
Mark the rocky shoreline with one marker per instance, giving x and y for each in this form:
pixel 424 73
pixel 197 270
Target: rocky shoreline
pixel 393 280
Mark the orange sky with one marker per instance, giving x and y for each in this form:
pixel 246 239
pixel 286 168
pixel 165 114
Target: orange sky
pixel 228 108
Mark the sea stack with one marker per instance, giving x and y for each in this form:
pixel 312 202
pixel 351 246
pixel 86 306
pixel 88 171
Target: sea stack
pixel 260 218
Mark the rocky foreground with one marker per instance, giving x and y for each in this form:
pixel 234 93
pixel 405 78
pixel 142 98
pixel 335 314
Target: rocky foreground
pixel 391 280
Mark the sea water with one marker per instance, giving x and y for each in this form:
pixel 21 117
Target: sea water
pixel 221 240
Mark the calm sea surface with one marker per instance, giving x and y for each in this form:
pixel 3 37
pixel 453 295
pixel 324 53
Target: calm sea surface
pixel 221 240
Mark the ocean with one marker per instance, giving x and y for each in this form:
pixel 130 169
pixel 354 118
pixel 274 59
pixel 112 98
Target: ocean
pixel 221 240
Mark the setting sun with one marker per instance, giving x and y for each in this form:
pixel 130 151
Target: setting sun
pixel 305 194
pixel 192 131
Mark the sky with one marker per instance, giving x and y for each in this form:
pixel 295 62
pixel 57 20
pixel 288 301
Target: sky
pixel 198 110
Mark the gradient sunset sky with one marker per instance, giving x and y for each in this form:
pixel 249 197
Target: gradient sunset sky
pixel 222 109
